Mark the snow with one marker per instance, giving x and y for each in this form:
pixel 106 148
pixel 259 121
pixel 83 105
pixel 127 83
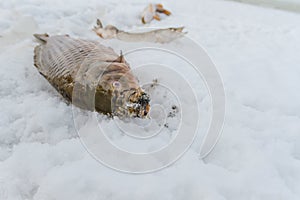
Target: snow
pixel 258 156
pixel 289 5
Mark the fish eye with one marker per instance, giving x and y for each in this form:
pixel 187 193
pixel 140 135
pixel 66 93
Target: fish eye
pixel 116 84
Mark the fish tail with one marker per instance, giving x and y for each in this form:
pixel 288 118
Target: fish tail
pixel 42 38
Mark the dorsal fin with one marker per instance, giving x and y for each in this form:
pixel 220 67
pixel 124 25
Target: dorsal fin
pixel 121 58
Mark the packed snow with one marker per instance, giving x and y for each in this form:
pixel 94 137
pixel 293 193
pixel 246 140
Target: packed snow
pixel 256 51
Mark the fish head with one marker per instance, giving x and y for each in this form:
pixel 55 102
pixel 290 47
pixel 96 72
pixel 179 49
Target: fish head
pixel 132 102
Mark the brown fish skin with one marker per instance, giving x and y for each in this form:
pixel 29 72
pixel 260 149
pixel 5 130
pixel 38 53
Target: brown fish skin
pixel 90 75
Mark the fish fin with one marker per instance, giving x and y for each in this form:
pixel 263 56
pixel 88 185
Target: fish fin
pixel 42 38
pixel 99 23
pixel 177 29
pixel 121 58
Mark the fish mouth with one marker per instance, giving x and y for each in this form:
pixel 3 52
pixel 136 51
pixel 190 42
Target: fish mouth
pixel 138 104
pixel 131 104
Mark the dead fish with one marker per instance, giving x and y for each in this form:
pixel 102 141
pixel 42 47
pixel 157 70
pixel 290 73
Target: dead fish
pixel 163 35
pixel 90 75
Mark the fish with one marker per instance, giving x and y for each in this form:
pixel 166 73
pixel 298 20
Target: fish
pixel 161 35
pixel 90 75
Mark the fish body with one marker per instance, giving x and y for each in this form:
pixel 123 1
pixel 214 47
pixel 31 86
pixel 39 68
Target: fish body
pixel 90 75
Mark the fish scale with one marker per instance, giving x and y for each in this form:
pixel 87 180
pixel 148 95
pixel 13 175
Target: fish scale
pixel 65 62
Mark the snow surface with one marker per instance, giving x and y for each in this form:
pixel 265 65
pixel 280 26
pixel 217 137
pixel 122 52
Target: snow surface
pixel 289 5
pixel 256 51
